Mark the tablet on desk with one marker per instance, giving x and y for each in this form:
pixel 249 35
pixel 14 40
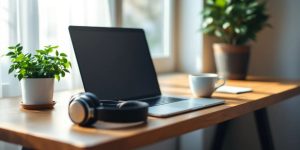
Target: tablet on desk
pixel 233 89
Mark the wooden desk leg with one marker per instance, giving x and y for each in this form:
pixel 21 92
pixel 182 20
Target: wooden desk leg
pixel 218 139
pixel 264 130
pixel 24 148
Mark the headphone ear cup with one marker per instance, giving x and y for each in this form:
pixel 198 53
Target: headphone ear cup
pixel 93 102
pixel 75 96
pixel 82 108
pixel 78 110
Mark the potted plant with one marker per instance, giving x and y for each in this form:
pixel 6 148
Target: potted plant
pixel 37 72
pixel 235 23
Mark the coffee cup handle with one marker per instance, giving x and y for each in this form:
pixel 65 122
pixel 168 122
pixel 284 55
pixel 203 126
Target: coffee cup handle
pixel 223 83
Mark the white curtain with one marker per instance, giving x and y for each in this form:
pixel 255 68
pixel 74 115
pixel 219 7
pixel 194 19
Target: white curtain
pixel 37 23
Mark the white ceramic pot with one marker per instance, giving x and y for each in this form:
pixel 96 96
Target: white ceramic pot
pixel 36 91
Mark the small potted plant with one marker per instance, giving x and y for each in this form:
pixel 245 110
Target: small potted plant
pixel 37 72
pixel 235 23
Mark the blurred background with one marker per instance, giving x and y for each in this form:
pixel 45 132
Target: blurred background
pixel 176 45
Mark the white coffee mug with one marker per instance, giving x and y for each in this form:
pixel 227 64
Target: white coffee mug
pixel 203 85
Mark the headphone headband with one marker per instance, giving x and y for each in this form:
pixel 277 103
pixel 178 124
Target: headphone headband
pixel 123 115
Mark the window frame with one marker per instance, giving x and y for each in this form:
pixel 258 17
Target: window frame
pixel 165 62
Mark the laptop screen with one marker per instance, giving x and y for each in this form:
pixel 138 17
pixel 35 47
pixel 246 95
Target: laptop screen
pixel 114 63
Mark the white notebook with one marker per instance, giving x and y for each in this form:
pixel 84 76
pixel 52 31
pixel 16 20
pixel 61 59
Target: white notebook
pixel 233 89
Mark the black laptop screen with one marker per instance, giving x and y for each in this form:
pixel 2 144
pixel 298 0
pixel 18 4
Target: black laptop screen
pixel 114 63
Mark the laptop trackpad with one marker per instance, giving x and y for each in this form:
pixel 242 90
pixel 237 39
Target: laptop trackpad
pixel 182 106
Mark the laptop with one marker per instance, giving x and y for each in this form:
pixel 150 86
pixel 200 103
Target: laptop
pixel 115 64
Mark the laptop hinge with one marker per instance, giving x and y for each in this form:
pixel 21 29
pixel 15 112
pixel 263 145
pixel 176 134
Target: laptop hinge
pixel 147 98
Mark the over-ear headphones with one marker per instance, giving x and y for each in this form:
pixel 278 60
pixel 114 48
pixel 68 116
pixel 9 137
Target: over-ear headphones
pixel 85 109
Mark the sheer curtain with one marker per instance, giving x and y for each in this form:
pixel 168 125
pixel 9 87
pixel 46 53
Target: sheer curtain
pixel 37 23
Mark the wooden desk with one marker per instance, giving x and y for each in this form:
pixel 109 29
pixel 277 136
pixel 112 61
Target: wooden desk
pixel 53 129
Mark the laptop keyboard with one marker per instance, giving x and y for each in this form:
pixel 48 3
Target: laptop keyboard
pixel 162 100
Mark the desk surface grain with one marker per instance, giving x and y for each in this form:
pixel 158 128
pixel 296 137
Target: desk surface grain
pixel 53 129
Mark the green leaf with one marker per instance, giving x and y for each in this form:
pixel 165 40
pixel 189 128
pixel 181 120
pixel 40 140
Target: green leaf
pixel 10 54
pixel 20 48
pixel 49 50
pixel 66 70
pixel 250 17
pixel 20 57
pixel 11 69
pixel 64 60
pixel 22 71
pixel 218 33
pixel 226 25
pixel 20 76
pixel 237 30
pixel 63 74
pixel 229 9
pixel 55 47
pixel 254 4
pixel 41 65
pixel 210 2
pixel 220 3
pixel 63 54
pixel 234 21
pixel 243 29
pixel 207 22
pixel 209 30
pixel 57 77
pixel 40 51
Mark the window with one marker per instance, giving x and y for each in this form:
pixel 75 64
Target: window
pixel 154 16
pixel 34 24
pixel 140 13
pixel 38 23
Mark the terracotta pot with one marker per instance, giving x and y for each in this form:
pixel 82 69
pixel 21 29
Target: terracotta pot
pixel 232 60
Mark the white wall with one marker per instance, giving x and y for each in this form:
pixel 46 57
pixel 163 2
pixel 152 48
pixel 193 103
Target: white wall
pixel 275 54
pixel 188 37
pixel 188 43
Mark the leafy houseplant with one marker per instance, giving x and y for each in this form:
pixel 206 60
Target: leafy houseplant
pixel 235 23
pixel 37 72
